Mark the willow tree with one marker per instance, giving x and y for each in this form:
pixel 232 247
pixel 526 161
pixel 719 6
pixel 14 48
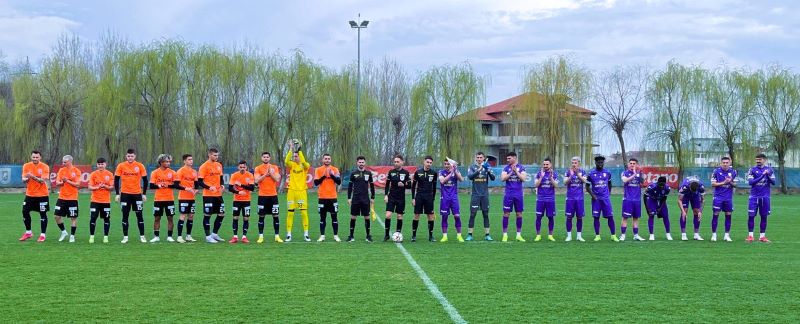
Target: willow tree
pixel 619 96
pixel 550 87
pixel 779 109
pixel 53 100
pixel 390 86
pixel 444 99
pixel 6 112
pixel 728 99
pixel 672 95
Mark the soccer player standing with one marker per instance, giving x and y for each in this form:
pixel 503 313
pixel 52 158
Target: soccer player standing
pixel 188 180
pixel 163 180
pixel 449 178
pixel 574 179
pixel 480 173
pixel 514 175
pixel 297 195
pixel 397 181
pixel 545 184
pixel 599 187
pixel 760 178
pixel 360 195
pixel 130 185
pixel 241 184
pixel 632 181
pixel 101 181
pixel 35 175
pixel 267 176
pixel 423 193
pixel 69 179
pixel 691 192
pixel 655 202
pixel 327 177
pixel 210 178
pixel 723 180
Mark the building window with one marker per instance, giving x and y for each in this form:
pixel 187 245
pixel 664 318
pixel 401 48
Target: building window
pixel 525 129
pixel 505 129
pixel 486 129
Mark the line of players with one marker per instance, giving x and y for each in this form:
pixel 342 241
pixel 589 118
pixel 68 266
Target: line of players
pixel 130 184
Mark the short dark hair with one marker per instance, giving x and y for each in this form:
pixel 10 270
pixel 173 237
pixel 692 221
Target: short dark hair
pixel 599 158
pixel 186 156
pixel 361 158
pixel 428 157
pixel 266 153
pixel 633 159
pixel 693 186
pixel 399 156
pixel 36 152
pixel 242 162
pixel 101 160
pixel 547 159
pixel 130 151
pixel 480 153
pixel 725 158
pixel 325 154
pixel 514 154
pixel 662 179
pixel 213 150
pixel 761 156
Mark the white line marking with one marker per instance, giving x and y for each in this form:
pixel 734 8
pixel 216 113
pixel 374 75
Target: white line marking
pixel 448 307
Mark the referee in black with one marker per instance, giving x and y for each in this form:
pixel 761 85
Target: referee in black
pixel 423 191
pixel 397 181
pixel 360 196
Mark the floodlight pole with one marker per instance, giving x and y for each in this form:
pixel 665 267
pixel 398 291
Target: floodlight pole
pixel 358 25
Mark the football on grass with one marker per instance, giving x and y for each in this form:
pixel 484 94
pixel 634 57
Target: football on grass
pixel 397 237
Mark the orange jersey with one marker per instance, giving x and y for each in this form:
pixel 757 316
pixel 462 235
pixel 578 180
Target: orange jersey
pixel 163 177
pixel 237 180
pixel 130 177
pixel 187 176
pixel 34 188
pixel 68 191
pixel 327 189
pixel 267 187
pixel 211 172
pixel 101 177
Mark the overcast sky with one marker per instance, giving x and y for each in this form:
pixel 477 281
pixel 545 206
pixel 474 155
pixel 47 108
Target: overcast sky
pixel 499 38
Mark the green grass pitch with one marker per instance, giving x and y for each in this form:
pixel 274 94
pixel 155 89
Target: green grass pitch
pixel 361 282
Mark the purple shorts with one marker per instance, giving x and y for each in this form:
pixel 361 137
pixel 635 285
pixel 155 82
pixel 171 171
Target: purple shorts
pixel 546 208
pixel 512 202
pixel 657 209
pixel 574 207
pixel 722 205
pixel 448 206
pixel 631 208
pixel 697 203
pixel 602 206
pixel 758 205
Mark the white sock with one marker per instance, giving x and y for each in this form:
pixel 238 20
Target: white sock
pixel 28 232
pixel 762 235
pixel 750 233
pixel 305 233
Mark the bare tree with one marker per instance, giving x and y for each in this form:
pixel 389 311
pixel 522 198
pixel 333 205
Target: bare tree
pixel 620 97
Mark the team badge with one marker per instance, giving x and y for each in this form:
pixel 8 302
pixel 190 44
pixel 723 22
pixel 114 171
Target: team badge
pixel 402 177
pixel 136 169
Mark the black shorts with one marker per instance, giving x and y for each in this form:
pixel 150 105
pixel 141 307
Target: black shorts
pixel 359 209
pixel 213 205
pixel 241 208
pixel 396 206
pixel 159 207
pixel 329 205
pixel 186 207
pixel 268 205
pixel 423 205
pixel 479 203
pixel 35 204
pixel 131 201
pixel 102 210
pixel 68 208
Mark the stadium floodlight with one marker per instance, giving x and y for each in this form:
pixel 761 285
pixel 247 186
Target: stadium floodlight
pixel 358 26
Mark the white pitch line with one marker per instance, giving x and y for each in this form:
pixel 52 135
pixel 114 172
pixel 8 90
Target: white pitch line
pixel 448 307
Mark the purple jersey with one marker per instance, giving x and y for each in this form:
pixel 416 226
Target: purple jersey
pixel 688 194
pixel 547 187
pixel 574 184
pixel 633 189
pixel 724 192
pixel 599 181
pixel 449 187
pixel 513 183
pixel 760 179
pixel 655 193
